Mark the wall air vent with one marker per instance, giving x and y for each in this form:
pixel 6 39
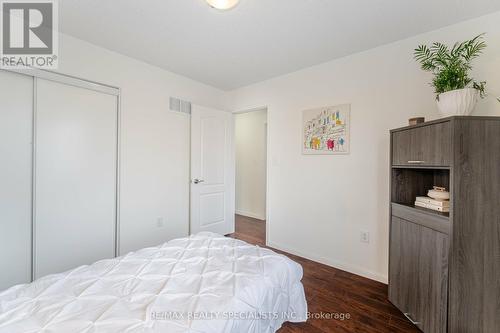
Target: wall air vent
pixel 178 105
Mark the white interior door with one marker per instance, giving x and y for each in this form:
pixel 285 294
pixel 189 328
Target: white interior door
pixel 212 171
pixel 75 178
pixel 16 114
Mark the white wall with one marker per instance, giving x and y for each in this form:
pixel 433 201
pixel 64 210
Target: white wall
pixel 250 139
pixel 155 142
pixel 319 204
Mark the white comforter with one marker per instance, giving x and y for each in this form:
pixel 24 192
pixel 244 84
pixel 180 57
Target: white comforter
pixel 204 283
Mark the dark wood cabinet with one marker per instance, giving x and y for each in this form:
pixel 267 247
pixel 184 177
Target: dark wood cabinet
pixel 404 264
pixel 419 261
pixel 444 268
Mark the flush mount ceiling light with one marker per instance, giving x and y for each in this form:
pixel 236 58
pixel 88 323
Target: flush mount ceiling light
pixel 223 4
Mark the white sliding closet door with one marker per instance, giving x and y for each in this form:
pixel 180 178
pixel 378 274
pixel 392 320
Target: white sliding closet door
pixel 16 113
pixel 75 178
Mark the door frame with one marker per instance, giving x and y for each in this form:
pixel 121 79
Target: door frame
pixel 268 162
pixel 37 73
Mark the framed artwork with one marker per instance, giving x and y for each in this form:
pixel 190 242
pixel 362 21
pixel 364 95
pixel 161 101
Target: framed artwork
pixel 326 130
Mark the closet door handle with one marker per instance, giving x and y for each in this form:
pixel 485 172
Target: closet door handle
pixel 197 181
pixel 408 316
pixel 416 162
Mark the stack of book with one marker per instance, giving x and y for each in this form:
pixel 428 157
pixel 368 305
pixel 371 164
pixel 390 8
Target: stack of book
pixel 434 204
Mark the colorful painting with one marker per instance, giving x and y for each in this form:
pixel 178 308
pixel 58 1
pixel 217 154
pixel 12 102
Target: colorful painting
pixel 326 130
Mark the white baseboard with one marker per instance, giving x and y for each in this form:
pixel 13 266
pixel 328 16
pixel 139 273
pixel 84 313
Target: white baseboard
pixel 335 264
pixel 252 215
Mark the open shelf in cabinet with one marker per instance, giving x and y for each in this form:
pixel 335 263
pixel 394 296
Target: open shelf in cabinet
pixel 410 183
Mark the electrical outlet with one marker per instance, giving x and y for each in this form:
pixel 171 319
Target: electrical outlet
pixel 160 222
pixel 365 237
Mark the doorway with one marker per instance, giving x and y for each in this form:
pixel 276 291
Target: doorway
pixel 251 142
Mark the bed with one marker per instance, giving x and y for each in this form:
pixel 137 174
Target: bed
pixel 205 283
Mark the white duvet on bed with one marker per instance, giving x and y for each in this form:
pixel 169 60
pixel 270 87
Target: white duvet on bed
pixel 203 283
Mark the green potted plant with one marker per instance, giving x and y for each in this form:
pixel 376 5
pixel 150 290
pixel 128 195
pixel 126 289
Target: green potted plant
pixel 457 93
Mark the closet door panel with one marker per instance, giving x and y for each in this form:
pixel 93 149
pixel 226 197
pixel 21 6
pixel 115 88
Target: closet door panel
pixel 16 114
pixel 75 201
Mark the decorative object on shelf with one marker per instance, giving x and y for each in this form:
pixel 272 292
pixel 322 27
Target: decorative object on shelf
pixel 458 102
pixel 439 193
pixel 457 93
pixel 326 130
pixel 416 121
pixel 434 204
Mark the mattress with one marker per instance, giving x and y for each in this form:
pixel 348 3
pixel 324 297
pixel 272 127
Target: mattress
pixel 199 284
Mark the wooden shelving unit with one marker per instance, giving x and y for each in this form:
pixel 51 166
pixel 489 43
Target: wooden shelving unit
pixel 444 267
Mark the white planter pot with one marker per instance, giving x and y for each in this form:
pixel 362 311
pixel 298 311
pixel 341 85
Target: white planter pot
pixel 459 102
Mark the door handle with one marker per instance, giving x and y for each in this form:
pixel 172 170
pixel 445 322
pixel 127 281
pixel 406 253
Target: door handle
pixel 197 181
pixel 408 316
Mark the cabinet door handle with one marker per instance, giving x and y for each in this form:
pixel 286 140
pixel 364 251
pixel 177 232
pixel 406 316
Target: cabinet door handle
pixel 408 316
pixel 416 162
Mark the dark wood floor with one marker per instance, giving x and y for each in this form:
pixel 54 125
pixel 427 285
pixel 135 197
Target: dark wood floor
pixel 329 290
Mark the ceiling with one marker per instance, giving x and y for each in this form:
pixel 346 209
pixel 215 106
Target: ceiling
pixel 259 39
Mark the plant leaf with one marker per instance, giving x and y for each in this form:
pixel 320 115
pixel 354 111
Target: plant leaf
pixel 451 67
